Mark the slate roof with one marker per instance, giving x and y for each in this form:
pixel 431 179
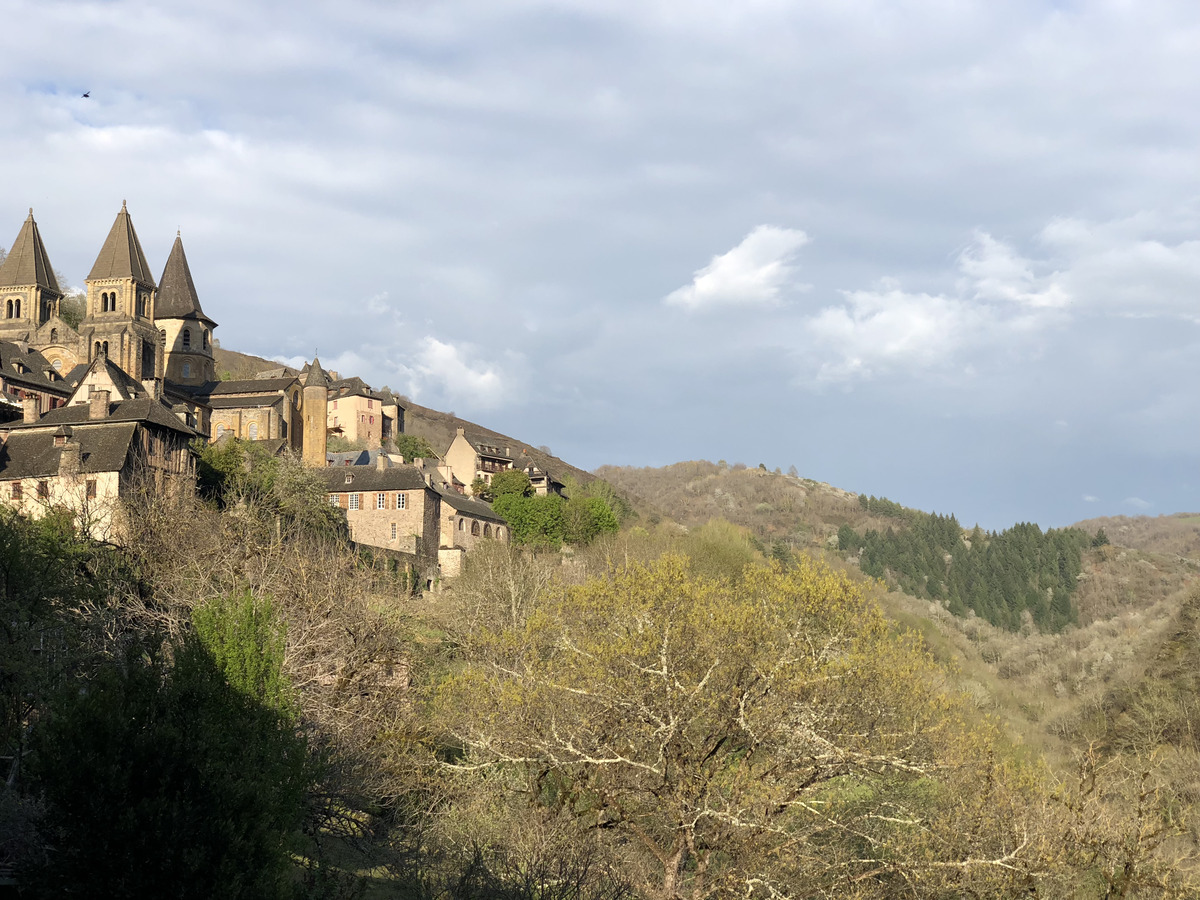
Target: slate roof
pixel 177 298
pixel 14 355
pixel 469 506
pixel 316 375
pixel 103 448
pixel 122 256
pixel 354 387
pixel 244 402
pixel 121 379
pixel 246 386
pixel 141 409
pixel 369 478
pixel 27 262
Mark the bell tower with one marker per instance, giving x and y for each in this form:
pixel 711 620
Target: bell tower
pixel 29 292
pixel 187 331
pixel 120 304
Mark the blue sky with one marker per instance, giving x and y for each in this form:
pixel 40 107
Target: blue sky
pixel 946 252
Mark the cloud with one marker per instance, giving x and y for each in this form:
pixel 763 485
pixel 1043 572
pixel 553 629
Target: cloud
pixel 994 271
pixel 884 329
pixel 1138 503
pixel 452 373
pixel 1090 498
pixel 754 273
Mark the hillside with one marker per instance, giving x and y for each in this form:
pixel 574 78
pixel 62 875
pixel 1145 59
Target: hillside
pixel 1051 688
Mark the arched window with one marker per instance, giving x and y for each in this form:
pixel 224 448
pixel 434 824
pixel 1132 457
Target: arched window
pixel 104 347
pixel 187 339
pixel 220 430
pixel 54 335
pixel 475 527
pixel 487 530
pixel 253 432
pixel 97 353
pixel 204 339
pixel 8 310
pixel 462 524
pixel 57 365
pixel 187 370
pixel 17 309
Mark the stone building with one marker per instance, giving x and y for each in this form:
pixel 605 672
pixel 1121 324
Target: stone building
pixel 109 441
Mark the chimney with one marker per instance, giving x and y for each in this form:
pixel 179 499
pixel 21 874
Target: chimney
pixel 68 460
pixel 382 462
pixel 99 405
pixel 153 388
pixel 30 407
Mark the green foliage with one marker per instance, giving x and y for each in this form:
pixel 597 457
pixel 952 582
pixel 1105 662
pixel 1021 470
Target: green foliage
pixel 481 489
pixel 413 446
pixel 236 473
pixel 533 521
pixel 1100 539
pixel 510 482
pixel 586 518
pixel 162 780
pixel 247 642
pixel 1000 576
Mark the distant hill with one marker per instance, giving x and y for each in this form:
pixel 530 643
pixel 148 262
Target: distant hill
pixel 1177 535
pixel 234 366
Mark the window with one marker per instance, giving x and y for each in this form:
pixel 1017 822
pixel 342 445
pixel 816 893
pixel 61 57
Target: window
pixel 333 500
pixel 335 405
pixel 462 524
pixel 54 335
pixel 401 498
pixel 220 430
pixel 187 370
pixel 8 309
pixel 372 420
pixel 57 365
pixel 187 339
pixel 43 490
pixel 349 477
pixel 393 531
pixel 354 500
pixel 369 406
pixel 91 488
pixel 204 339
pixel 381 501
pixel 475 527
pixel 16 490
pixel 253 432
pixel 17 308
pixel 487 531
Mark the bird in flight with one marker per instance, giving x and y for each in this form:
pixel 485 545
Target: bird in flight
pixel 87 93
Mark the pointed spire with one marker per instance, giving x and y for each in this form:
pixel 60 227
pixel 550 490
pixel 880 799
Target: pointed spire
pixel 27 262
pixel 122 256
pixel 177 298
pixel 316 375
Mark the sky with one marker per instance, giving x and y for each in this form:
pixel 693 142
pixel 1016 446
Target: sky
pixel 946 252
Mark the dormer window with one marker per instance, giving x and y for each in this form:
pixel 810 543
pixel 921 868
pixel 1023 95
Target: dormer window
pixel 349 478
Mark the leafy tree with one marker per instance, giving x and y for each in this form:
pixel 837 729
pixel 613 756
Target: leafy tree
pixel 766 737
pixel 511 482
pixel 413 446
pixel 533 521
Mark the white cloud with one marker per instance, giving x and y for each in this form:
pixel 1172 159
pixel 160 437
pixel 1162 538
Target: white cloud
pixel 1138 503
pixel 994 271
pixel 754 273
pixel 883 329
pixel 453 373
pixel 1090 498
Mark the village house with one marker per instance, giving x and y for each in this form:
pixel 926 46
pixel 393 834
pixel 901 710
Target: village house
pixel 90 454
pixel 362 415
pixel 465 522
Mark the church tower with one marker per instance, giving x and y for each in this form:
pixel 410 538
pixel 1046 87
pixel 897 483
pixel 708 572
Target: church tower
pixel 186 329
pixel 29 292
pixel 316 415
pixel 120 304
